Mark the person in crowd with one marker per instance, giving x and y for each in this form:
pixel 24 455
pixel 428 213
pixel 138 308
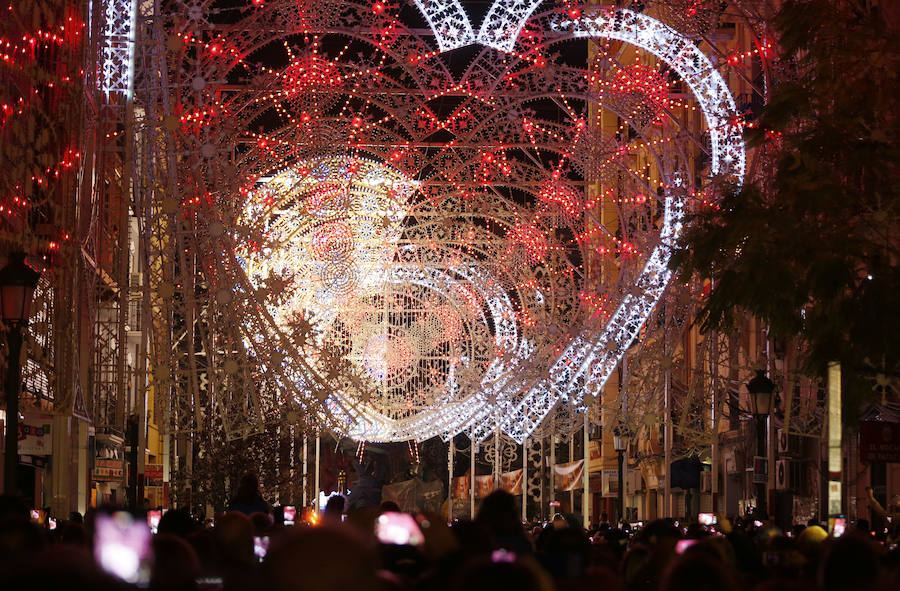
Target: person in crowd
pixel 233 541
pixel 892 510
pixel 334 510
pixel 499 515
pixel 326 558
pixel 493 551
pixel 696 570
pixel 175 564
pixel 247 498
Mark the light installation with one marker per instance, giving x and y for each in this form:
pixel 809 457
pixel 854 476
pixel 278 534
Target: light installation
pixel 117 45
pixel 401 248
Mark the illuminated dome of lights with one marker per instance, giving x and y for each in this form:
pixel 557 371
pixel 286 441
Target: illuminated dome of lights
pixel 408 241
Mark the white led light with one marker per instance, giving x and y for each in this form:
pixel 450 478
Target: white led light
pixel 449 22
pixel 117 46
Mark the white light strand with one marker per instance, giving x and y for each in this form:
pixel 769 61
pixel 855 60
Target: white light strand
pixel 117 46
pixel 449 22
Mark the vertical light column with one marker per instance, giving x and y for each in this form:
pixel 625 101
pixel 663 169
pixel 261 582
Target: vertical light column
pixel 497 457
pixel 318 463
pixel 167 465
pixel 543 479
pixel 525 480
pixel 714 422
pixel 305 470
pixel 834 439
pixel 667 436
pixel 552 468
pixel 586 476
pixel 293 464
pixel 572 459
pixel 473 449
pixel 59 467
pixel 450 482
pixel 82 467
pixel 117 46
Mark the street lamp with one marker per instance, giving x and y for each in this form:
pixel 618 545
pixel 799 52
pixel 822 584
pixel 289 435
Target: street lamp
pixel 17 283
pixel 761 389
pixel 620 444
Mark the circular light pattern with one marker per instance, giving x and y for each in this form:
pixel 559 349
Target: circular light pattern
pixel 386 356
pixel 643 90
pixel 531 240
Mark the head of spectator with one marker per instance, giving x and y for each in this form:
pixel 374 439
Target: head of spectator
pixel 262 523
pixel 175 564
pixel 499 515
pixel 334 510
pixel 320 559
pixel 247 498
pixel 698 571
pixel 498 573
pixel 234 539
pixel 849 563
pixel 178 522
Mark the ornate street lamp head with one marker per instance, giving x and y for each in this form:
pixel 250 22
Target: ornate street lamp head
pixel 620 438
pixel 761 389
pixel 17 283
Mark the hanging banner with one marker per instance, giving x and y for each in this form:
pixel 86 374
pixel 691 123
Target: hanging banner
pixel 484 485
pixel 415 495
pixel 595 458
pixel 610 483
pixel 461 487
pixel 35 438
pixel 879 441
pixel 105 469
pixel 650 473
pixel 153 475
pixel 511 482
pixel 569 475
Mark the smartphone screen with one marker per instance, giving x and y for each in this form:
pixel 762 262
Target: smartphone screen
pixel 683 545
pixel 122 546
pixel 839 527
pixel 706 518
pixel 153 518
pixel 260 546
pixel 290 513
pixel 399 529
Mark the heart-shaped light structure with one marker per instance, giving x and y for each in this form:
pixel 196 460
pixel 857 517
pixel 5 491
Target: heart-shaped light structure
pixel 402 247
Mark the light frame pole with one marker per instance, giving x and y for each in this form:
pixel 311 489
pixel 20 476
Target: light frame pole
pixel 620 444
pixel 762 391
pixel 17 284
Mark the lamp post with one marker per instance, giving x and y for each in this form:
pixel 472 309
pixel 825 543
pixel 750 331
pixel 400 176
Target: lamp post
pixel 620 444
pixel 761 389
pixel 17 283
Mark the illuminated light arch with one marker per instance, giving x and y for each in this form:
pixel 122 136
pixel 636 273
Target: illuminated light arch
pixel 691 64
pixel 502 394
pixel 504 21
pixel 449 22
pixel 589 358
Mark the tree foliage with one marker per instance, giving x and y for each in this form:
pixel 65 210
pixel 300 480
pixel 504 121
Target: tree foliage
pixel 811 245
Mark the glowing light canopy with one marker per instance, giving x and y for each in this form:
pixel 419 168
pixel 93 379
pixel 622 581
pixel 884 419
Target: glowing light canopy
pixel 428 253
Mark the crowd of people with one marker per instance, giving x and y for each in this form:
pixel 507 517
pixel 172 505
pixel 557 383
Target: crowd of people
pixel 380 548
